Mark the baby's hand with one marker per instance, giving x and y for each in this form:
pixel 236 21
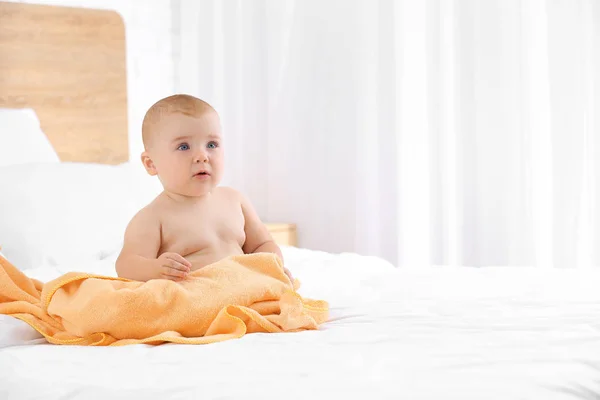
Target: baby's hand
pixel 173 266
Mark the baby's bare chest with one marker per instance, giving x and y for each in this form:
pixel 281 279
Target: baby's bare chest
pixel 192 230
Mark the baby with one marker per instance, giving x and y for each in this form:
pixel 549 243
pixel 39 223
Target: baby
pixel 192 223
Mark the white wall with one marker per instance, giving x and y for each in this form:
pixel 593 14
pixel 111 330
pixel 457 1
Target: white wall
pixel 150 55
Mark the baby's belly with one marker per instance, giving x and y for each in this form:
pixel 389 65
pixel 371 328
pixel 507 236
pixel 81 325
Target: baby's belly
pixel 209 255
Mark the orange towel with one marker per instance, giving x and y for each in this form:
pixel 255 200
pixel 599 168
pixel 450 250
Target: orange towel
pixel 225 300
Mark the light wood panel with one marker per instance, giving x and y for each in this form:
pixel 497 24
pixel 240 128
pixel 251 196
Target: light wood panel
pixel 283 234
pixel 69 65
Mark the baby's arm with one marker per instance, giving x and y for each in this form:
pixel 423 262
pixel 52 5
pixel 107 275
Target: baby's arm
pixel 138 260
pixel 258 238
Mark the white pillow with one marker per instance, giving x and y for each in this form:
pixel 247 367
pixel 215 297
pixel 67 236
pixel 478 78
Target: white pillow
pixel 68 213
pixel 22 140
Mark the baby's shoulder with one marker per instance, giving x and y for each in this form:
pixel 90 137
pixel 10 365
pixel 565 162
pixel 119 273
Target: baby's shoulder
pixel 226 192
pixel 149 214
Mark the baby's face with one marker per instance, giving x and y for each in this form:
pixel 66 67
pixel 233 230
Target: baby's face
pixel 187 153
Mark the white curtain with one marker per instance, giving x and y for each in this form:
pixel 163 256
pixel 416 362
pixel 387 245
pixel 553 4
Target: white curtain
pixel 461 132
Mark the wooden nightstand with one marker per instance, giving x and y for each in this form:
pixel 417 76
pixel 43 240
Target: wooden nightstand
pixel 283 234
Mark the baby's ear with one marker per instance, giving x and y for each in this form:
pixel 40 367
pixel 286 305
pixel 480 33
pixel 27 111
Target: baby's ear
pixel 148 164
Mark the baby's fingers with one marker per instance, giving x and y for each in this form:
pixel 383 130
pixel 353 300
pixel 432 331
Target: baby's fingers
pixel 174 270
pixel 177 266
pixel 171 278
pixel 179 259
pixel 173 274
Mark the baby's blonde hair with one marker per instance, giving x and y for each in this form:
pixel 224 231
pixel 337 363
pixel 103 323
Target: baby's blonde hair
pixel 175 104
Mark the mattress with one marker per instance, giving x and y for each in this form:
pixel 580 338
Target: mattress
pixel 410 333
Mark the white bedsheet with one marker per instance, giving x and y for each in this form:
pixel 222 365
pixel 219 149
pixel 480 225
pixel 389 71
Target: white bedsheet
pixel 427 333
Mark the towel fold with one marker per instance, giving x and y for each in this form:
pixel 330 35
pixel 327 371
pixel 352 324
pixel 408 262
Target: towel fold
pixel 225 300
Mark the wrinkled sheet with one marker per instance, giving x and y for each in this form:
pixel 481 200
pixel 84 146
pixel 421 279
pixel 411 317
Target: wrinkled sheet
pixel 413 333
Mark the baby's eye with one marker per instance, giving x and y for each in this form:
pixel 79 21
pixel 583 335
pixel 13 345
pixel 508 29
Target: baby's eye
pixel 183 147
pixel 212 145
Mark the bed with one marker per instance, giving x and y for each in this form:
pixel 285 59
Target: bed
pixel 422 333
pixel 439 332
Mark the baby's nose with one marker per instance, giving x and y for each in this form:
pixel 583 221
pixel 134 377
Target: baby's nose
pixel 201 156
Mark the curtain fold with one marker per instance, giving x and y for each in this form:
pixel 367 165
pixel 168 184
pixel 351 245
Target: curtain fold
pixel 453 132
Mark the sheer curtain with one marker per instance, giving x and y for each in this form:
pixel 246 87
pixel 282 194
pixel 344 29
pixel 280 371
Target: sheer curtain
pixel 462 132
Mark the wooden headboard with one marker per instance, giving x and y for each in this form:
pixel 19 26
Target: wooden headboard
pixel 69 65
